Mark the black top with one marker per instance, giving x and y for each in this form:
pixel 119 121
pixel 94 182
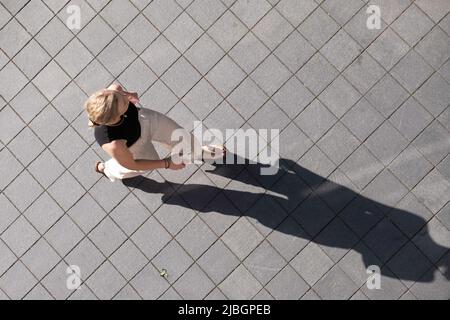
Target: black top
pixel 129 129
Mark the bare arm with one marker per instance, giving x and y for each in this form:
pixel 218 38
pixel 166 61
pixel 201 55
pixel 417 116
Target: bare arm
pixel 118 150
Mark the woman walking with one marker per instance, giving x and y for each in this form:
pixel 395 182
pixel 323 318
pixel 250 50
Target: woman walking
pixel 127 134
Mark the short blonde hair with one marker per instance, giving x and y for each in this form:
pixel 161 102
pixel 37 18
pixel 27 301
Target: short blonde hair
pixel 102 107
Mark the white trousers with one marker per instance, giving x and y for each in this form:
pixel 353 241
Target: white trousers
pixel 155 126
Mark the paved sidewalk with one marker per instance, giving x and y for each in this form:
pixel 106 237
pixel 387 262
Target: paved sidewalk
pixel 364 118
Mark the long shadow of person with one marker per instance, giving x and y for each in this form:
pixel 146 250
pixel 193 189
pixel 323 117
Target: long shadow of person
pixel 303 204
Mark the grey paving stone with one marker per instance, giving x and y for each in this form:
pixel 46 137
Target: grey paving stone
pixel 387 95
pixel 86 213
pixel 10 124
pixel 119 14
pixel 138 76
pixel 139 33
pixel 106 281
pixel 363 73
pixel 161 13
pixel 174 259
pixel 411 118
pixel 107 236
pixel 26 146
pixel 434 143
pixel 435 47
pixel 51 80
pixel 5 16
pixel 288 238
pixel 170 294
pixel 86 256
pixel 408 296
pixel 34 16
pixel 433 191
pixel 46 37
pixel 293 97
pixel 205 12
pixel 183 32
pixel 74 57
pixel 341 13
pixel 435 10
pixel 318 28
pixel 392 9
pixel 412 71
pixel 57 191
pixel 391 287
pixel 410 167
pixel 116 56
pixel 127 293
pixel 149 284
pixel 432 240
pixel 296 11
pixel 214 216
pixel 311 263
pixel 272 29
pixel 247 98
pixel 242 238
pixel 356 262
pixel 434 94
pixel 338 191
pixel 160 55
pixel 128 260
pixel 444 167
pixel 295 51
pixel 10 167
pixel 412 15
pixel 31 59
pixel 363 35
pixel 48 124
pixel 287 285
pixel 339 96
pixel 315 120
pixel 227 31
pixel 444 119
pixel 264 262
pixel 12 81
pixel 216 294
pixel 388 49
pixel 55 282
pixel 130 214
pixel 28 103
pixel 335 285
pixel 204 53
pixel 43 213
pixel 83 294
pixel 338 143
pixel 7 258
pixel 38 293
pixel 435 290
pixel 107 194
pixel 196 237
pixel 361 167
pixel 13 37
pixel 384 240
pixel 386 143
pixel 361 215
pixel 444 216
pixel 9 213
pixel 202 99
pixel 336 239
pixel 410 215
pixel 194 284
pixel 218 262
pixel 64 236
pixel 269 116
pixel 401 265
pixel 181 77
pixel 317 65
pixel 41 258
pixel 341 50
pixel 222 118
pixel 240 285
pixel 17 281
pixel 23 191
pixel 270 75
pixel 310 295
pixel 386 189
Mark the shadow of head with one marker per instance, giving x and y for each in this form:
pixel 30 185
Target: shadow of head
pixel 298 203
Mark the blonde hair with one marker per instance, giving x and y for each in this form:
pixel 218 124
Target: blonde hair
pixel 102 107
